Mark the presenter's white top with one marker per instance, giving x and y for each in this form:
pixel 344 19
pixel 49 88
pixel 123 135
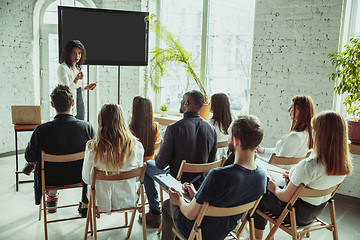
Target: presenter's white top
pixel 112 195
pixel 66 77
pixel 313 174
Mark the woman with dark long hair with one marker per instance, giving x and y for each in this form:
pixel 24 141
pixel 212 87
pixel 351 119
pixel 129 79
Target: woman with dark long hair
pixel 69 73
pixel 114 149
pixel 327 168
pixel 298 141
pixel 143 127
pixel 221 118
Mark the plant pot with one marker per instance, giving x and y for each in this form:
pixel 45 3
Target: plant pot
pixel 164 113
pixel 205 111
pixel 354 131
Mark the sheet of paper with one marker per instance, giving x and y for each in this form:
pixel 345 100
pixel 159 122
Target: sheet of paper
pixel 167 181
pixel 273 172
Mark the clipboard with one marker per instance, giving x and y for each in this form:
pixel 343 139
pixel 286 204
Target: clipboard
pixel 167 181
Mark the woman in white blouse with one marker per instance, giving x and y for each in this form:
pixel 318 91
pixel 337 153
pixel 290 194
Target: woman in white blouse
pixel 298 142
pixel 114 149
pixel 69 74
pixel 221 119
pixel 326 169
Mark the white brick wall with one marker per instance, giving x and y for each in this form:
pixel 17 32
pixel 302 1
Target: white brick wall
pixel 291 42
pixel 16 84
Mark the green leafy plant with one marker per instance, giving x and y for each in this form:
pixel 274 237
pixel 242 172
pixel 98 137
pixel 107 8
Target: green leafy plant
pixel 173 52
pixel 347 65
pixel 164 107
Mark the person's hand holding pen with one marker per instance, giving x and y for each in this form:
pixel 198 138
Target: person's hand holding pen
pixel 91 86
pixel 189 188
pixel 286 176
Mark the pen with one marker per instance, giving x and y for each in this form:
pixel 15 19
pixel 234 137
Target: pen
pixel 196 178
pixel 276 171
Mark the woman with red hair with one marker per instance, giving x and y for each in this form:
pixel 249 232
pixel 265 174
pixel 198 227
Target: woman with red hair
pixel 298 141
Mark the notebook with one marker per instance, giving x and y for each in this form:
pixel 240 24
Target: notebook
pixel 26 115
pixel 272 172
pixel 167 181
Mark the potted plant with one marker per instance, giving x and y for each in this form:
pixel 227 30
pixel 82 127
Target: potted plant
pixel 164 110
pixel 347 73
pixel 173 52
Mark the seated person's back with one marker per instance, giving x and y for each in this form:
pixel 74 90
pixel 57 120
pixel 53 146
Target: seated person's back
pixel 114 149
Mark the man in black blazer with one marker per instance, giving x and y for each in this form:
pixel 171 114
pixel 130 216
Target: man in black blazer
pixel 63 135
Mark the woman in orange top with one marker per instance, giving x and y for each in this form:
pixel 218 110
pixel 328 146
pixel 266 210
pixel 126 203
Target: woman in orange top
pixel 143 126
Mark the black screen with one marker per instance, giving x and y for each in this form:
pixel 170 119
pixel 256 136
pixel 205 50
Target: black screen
pixel 111 37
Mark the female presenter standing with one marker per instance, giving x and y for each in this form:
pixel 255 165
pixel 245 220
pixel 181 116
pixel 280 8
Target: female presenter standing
pixel 69 74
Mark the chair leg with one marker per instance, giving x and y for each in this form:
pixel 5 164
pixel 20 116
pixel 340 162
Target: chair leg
pixel 333 219
pixel 88 216
pixel 94 220
pixel 294 233
pixel 143 212
pixel 126 219
pixel 45 217
pixel 40 208
pixel 252 229
pixel 131 223
pixel 160 228
pixel 242 227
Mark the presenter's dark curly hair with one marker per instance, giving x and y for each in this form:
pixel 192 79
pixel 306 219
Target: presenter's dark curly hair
pixel 67 50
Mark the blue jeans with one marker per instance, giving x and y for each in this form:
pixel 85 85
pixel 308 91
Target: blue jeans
pixel 149 183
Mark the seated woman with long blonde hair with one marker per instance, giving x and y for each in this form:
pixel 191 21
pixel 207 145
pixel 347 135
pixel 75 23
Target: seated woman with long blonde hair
pixel 114 149
pixel 327 168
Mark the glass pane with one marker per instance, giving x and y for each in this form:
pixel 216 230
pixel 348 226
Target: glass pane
pixel 229 52
pixel 50 15
pixel 183 19
pixel 357 23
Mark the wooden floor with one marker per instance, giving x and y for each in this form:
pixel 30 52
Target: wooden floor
pixel 19 214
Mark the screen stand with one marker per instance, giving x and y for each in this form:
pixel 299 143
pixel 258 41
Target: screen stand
pixel 88 95
pixel 119 83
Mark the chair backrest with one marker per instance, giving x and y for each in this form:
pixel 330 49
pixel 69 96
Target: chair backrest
pixel 303 191
pixel 211 211
pixel 222 144
pixel 198 168
pixel 57 173
pixel 285 160
pixel 106 176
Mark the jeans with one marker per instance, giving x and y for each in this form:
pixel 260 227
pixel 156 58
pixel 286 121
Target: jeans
pixel 149 183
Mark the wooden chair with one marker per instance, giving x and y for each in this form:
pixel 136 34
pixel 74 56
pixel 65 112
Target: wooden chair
pixel 222 144
pixel 48 158
pixel 285 160
pixel 191 168
pixel 295 231
pixel 93 213
pixel 211 211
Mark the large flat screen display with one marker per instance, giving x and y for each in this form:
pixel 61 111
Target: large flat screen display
pixel 111 37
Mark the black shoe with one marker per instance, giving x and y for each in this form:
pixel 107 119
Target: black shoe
pixel 28 168
pixel 52 202
pixel 82 211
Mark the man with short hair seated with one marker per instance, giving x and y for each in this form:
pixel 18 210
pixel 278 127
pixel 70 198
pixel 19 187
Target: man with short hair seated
pixel 63 135
pixel 192 139
pixel 230 186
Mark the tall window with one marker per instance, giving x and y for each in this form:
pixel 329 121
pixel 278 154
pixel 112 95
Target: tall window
pixel 228 29
pixel 350 27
